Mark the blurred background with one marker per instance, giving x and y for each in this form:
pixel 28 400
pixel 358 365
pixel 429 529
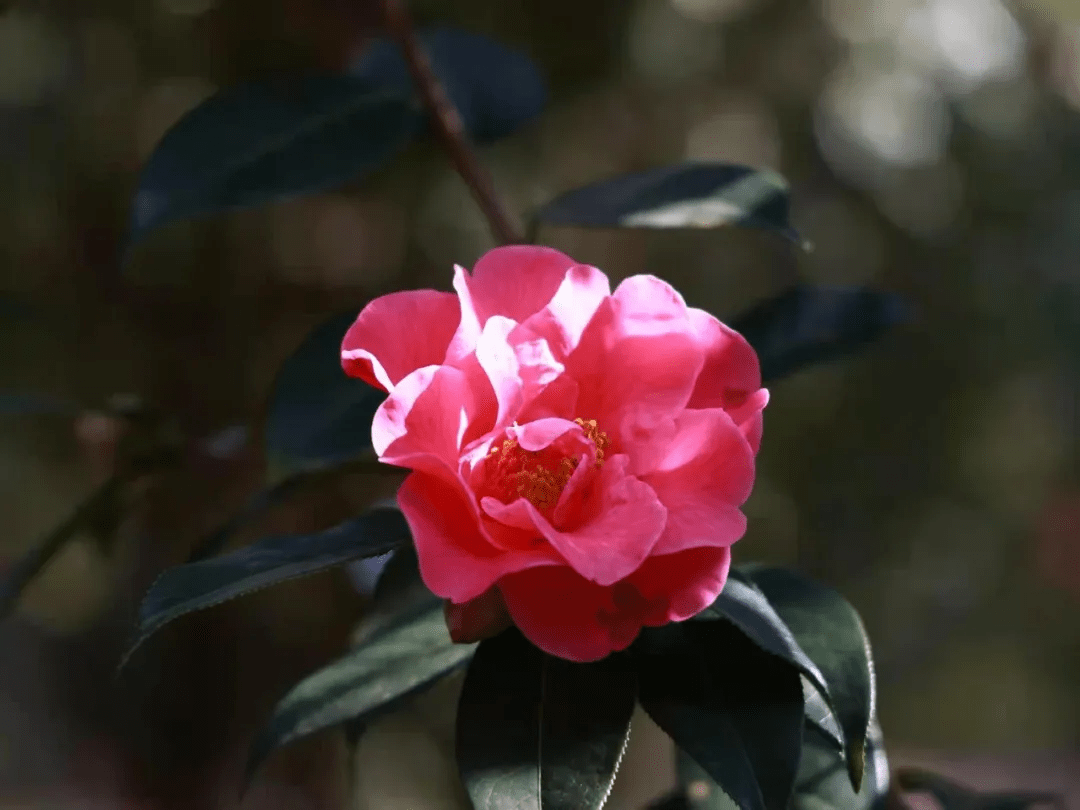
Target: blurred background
pixel 933 148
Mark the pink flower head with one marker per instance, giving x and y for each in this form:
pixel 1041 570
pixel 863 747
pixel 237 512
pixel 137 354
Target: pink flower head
pixel 583 454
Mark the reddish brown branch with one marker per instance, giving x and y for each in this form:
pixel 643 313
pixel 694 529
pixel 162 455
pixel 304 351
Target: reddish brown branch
pixel 448 125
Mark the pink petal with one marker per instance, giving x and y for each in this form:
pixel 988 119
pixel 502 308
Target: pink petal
pixel 480 618
pixel 383 345
pixel 748 417
pixel 731 372
pixel 565 615
pixel 681 585
pixel 463 341
pixel 500 364
pixel 428 412
pixel 703 478
pixel 516 281
pixel 648 305
pixel 563 320
pixel 456 561
pixel 635 372
pixel 626 521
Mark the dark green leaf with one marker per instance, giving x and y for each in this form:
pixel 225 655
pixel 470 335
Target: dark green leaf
pixel 808 325
pixel 832 634
pixel 820 715
pixel 742 604
pixel 270 140
pixel 534 731
pixel 270 561
pixel 740 721
pixel 823 782
pixel 214 542
pixel 495 89
pixel 763 696
pixel 584 730
pixel 370 679
pixel 318 415
pixel 399 594
pixel 699 791
pixel 687 195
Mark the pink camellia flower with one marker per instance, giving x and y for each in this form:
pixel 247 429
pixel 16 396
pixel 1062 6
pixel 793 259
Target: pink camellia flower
pixel 578 455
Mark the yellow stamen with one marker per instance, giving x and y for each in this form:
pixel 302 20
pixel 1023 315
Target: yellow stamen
pixel 530 479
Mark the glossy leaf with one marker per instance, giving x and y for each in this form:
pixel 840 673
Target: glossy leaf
pixel 270 140
pixel 808 325
pixel 823 782
pixel 686 195
pixel 399 594
pixel 195 586
pixel 535 731
pixel 763 696
pixel 370 679
pixel 742 604
pixel 832 634
pixel 496 89
pixel 679 695
pixel 318 415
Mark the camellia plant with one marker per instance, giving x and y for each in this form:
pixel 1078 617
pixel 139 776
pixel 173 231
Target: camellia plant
pixel 577 456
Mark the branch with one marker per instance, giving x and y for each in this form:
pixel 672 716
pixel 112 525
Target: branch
pixel 30 565
pixel 448 125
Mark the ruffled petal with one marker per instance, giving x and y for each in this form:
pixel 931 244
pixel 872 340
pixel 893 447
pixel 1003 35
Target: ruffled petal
pixel 566 615
pixel 703 476
pixel 563 320
pixel 428 412
pixel 516 281
pixel 626 520
pixel 678 586
pixel 376 348
pixel 456 561
pixel 731 372
pixel 637 362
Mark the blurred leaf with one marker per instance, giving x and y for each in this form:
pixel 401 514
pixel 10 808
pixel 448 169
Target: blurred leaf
pixel 270 140
pixel 370 679
pixel 203 584
pixel 742 604
pixel 495 89
pixel 832 634
pixel 954 796
pixel 687 195
pixel 808 325
pixel 399 594
pixel 18 404
pixel 318 414
pixel 535 731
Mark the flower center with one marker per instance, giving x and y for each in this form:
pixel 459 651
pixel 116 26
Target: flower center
pixel 540 476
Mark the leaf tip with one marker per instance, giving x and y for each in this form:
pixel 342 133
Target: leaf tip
pixel 856 762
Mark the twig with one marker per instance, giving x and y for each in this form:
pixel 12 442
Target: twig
pixel 30 565
pixel 448 125
pixel 214 542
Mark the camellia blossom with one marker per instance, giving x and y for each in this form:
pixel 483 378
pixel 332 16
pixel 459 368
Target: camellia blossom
pixel 579 455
